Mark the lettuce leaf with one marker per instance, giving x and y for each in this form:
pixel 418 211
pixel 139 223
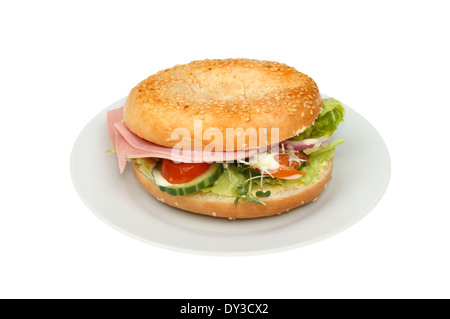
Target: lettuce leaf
pixel 326 123
pixel 315 161
pixel 227 184
pixel 145 167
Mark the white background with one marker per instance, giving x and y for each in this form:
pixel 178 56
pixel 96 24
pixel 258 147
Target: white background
pixel 63 62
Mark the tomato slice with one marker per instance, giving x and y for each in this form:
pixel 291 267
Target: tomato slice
pixel 288 168
pixel 182 172
pixel 286 172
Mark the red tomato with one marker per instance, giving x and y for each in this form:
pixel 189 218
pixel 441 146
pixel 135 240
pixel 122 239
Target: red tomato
pixel 288 168
pixel 182 172
pixel 285 172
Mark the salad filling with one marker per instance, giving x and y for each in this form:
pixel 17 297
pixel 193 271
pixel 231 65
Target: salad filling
pixel 297 161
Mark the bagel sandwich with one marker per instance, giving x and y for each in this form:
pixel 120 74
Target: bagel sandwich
pixel 231 138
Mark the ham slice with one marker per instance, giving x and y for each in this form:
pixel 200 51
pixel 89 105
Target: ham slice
pixel 112 117
pixel 128 145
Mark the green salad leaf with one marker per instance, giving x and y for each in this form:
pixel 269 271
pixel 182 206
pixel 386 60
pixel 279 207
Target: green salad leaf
pixel 315 161
pixel 228 183
pixel 234 182
pixel 326 123
pixel 145 167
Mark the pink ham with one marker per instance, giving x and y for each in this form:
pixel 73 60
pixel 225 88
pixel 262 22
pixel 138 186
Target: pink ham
pixel 113 117
pixel 128 145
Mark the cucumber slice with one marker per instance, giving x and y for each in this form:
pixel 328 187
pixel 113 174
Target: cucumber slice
pixel 206 179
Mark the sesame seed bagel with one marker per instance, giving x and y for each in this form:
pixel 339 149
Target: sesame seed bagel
pixel 282 199
pixel 232 93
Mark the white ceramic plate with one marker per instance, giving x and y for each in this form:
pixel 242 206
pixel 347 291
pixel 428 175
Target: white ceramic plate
pixel 121 202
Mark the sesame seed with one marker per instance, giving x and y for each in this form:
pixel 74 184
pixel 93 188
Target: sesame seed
pixel 160 199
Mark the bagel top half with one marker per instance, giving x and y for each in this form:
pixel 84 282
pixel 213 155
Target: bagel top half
pixel 251 95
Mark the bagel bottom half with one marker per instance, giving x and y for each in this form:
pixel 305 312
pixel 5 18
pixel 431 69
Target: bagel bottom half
pixel 282 199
